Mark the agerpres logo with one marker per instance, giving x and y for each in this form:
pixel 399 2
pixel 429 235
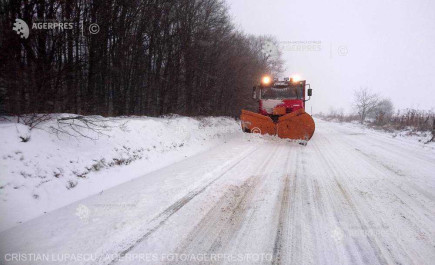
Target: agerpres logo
pixel 270 49
pixel 22 29
pixel 53 25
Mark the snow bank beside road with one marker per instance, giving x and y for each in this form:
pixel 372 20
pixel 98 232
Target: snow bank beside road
pixel 53 169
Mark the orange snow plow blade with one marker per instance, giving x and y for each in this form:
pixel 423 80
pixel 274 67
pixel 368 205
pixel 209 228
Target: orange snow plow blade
pixel 297 125
pixel 257 123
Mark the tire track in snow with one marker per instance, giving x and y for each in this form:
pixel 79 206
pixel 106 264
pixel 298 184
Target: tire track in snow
pixel 412 204
pixel 282 224
pixel 363 211
pixel 411 208
pixel 395 172
pixel 289 240
pixel 225 219
pixel 333 172
pixel 172 209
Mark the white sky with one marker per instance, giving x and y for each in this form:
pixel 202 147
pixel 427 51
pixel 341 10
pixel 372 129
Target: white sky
pixel 389 46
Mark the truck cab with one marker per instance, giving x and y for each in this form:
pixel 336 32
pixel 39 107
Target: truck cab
pixel 277 98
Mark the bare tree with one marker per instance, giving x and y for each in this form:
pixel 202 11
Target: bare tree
pixel 148 58
pixel 365 102
pixel 383 111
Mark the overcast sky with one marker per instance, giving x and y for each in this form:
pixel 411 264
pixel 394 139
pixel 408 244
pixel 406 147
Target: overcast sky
pixel 385 45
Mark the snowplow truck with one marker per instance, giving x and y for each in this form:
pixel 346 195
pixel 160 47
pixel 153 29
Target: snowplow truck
pixel 281 110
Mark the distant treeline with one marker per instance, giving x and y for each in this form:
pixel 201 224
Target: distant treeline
pixel 149 57
pixel 371 109
pixel 416 120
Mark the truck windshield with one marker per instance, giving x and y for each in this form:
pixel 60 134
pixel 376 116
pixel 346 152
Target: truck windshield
pixel 290 92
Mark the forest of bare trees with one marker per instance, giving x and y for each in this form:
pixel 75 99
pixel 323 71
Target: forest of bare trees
pixel 149 57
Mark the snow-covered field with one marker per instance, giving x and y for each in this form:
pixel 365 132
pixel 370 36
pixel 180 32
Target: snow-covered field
pixel 351 196
pixel 52 169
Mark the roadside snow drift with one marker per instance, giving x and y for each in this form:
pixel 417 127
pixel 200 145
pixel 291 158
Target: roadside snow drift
pixel 68 158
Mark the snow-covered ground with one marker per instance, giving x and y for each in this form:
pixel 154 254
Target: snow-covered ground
pixel 351 196
pixel 52 169
pixel 407 134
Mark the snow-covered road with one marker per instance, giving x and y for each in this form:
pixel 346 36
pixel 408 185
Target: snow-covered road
pixel 350 196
